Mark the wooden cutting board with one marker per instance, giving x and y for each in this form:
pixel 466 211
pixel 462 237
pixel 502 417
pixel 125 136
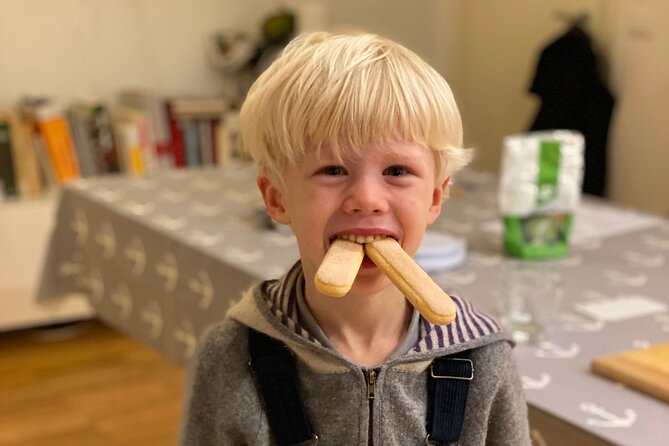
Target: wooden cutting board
pixel 645 369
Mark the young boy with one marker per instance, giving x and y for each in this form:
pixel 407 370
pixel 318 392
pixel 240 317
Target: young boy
pixel 356 137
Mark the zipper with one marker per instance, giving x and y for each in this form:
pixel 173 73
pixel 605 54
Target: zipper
pixel 370 378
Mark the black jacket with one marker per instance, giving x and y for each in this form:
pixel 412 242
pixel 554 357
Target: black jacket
pixel 574 97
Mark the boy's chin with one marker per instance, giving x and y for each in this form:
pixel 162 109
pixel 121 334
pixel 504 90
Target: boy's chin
pixel 370 279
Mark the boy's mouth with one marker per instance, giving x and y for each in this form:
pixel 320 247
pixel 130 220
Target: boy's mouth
pixel 361 239
pixel 362 236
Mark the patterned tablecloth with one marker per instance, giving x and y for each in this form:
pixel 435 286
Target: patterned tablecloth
pixel 163 256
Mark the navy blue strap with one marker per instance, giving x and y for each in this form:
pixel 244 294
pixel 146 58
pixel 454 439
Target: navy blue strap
pixel 274 367
pixel 448 385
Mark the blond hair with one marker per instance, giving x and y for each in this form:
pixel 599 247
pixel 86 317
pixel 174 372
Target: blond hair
pixel 346 91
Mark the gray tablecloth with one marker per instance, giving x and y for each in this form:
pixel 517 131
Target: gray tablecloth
pixel 163 256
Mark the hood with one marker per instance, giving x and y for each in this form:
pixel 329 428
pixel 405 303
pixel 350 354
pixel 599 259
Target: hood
pixel 271 308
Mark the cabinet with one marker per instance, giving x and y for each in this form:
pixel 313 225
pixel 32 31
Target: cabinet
pixel 25 227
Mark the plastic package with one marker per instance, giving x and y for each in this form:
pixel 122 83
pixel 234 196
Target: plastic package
pixel 539 191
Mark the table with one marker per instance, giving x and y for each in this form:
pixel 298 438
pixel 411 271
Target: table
pixel 622 259
pixel 162 257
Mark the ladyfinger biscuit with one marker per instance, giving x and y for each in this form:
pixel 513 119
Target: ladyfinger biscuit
pixel 340 266
pixel 426 296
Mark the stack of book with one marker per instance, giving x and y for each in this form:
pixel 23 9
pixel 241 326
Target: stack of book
pixel 43 143
pixel 197 123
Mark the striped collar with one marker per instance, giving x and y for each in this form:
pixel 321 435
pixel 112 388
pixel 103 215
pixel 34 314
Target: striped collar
pixel 282 295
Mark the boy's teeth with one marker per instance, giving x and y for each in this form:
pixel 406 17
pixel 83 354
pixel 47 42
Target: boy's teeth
pixel 361 239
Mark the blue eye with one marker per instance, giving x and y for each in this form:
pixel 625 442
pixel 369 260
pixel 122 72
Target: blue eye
pixel 333 170
pixel 396 171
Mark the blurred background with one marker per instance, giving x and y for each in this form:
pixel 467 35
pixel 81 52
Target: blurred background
pixel 180 69
pixel 488 51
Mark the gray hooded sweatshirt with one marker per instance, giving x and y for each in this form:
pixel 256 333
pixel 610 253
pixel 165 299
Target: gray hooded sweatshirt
pixel 223 406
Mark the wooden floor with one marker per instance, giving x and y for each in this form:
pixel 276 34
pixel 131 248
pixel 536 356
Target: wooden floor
pixel 86 384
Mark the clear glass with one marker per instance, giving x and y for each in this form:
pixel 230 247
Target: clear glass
pixel 531 295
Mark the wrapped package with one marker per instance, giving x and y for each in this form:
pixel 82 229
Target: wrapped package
pixel 539 191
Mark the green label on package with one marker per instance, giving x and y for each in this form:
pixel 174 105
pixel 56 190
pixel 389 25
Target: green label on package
pixel 537 236
pixel 549 166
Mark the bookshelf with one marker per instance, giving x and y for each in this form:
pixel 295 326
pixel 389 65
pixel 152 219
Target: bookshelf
pixel 25 226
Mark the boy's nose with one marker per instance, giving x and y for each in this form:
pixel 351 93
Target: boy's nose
pixel 366 196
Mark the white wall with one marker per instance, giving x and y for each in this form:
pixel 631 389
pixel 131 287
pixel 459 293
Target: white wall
pixel 640 134
pixel 492 58
pixel 499 45
pixel 65 48
pixel 410 23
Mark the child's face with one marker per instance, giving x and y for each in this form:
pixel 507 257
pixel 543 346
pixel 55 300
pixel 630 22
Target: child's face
pixel 386 189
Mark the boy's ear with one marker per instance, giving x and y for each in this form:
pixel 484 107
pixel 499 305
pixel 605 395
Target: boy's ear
pixel 438 195
pixel 273 198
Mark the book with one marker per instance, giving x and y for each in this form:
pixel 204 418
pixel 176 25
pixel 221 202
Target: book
pixel 97 133
pixel 228 140
pixel 157 131
pixel 190 132
pixel 47 169
pixel 215 126
pixel 54 128
pixel 205 142
pixel 83 143
pixel 128 130
pixel 223 149
pixel 177 143
pixel 7 173
pixel 646 370
pixel 129 112
pixel 29 175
